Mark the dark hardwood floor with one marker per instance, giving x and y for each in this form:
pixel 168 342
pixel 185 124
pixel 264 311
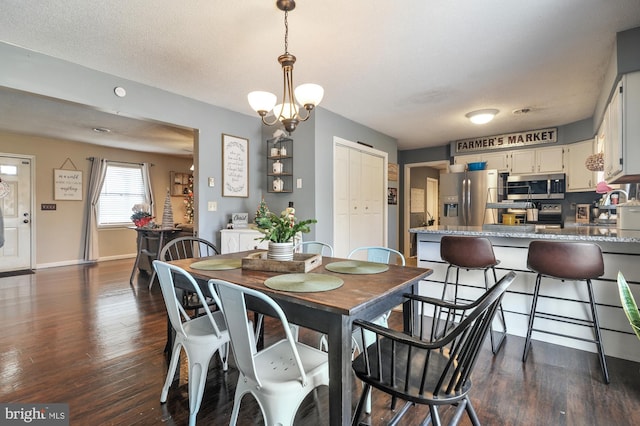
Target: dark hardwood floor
pixel 81 335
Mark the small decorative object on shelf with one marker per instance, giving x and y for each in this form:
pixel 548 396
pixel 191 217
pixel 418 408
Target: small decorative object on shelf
pixel 141 216
pixel 282 229
pixel 278 185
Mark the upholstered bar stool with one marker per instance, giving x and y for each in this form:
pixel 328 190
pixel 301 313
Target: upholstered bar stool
pixel 472 253
pixel 566 261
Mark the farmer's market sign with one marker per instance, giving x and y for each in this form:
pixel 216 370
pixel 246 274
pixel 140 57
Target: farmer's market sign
pixel 508 140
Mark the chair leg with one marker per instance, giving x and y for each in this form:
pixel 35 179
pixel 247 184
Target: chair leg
pixel 173 364
pixel 532 315
pixel 596 329
pixel 197 380
pixel 496 346
pixel 361 402
pixel 153 278
pixel 472 413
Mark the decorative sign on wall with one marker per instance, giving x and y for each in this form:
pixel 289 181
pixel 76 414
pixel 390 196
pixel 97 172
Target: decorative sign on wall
pixel 67 184
pixel 235 166
pixel 392 196
pixel 508 140
pixel 417 200
pixel 392 172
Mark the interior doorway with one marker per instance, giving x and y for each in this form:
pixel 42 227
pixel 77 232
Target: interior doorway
pixel 429 186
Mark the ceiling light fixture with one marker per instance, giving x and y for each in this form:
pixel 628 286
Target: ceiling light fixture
pixel 308 95
pixel 482 116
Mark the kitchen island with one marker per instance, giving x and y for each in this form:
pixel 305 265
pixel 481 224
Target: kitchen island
pixel 621 251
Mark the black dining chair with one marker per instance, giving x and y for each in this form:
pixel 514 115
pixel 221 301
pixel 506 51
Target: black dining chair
pixel 426 366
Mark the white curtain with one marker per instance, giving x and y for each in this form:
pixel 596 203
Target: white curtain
pixel 91 246
pixel 146 167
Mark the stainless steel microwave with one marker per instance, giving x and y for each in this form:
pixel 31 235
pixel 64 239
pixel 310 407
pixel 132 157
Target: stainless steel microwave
pixel 536 187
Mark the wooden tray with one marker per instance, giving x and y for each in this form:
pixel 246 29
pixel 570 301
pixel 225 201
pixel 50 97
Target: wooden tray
pixel 302 262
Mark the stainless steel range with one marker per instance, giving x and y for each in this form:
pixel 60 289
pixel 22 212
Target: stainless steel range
pixel 550 215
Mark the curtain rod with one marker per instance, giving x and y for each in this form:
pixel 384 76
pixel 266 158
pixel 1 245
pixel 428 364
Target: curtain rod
pixel 118 161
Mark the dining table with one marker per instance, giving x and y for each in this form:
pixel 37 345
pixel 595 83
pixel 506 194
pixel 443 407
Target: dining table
pixel 356 290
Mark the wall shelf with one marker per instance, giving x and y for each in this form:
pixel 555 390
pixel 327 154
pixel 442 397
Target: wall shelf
pixel 280 165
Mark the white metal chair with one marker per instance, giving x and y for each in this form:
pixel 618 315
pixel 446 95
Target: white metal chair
pixel 279 376
pixel 378 254
pixel 315 247
pixel 201 337
pixel 186 248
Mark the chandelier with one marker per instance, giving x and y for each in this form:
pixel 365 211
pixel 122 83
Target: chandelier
pixel 306 95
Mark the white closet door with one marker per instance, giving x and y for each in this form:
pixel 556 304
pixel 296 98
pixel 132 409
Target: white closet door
pixel 341 218
pixel 372 190
pixel 359 199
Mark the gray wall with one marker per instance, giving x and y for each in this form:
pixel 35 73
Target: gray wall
pixel 44 75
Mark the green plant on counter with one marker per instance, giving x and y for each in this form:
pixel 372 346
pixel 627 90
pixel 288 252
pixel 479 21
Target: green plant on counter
pixel 629 304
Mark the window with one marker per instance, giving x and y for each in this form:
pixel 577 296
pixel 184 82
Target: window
pixel 124 186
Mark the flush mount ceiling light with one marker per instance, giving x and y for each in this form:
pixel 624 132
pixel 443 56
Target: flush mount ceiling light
pixel 482 116
pixel 308 95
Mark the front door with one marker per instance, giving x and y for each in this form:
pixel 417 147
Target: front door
pixel 15 202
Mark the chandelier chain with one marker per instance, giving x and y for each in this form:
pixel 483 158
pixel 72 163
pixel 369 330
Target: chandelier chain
pixel 286 32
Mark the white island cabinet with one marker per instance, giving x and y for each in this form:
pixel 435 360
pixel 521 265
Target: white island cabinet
pixel 621 250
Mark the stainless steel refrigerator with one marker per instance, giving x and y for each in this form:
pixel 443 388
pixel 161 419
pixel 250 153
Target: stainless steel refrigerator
pixel 464 196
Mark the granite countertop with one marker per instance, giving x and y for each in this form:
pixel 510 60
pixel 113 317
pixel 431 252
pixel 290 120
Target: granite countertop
pixel 569 232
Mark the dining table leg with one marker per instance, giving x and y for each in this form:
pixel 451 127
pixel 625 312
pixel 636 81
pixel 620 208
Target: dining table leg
pixel 340 378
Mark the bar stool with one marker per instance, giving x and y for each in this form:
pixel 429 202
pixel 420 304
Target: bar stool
pixel 472 253
pixel 566 261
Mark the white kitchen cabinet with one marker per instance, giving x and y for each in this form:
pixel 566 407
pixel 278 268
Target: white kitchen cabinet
pixel 611 134
pixel 579 178
pixel 501 161
pixel 538 160
pixel 234 240
pixel 495 160
pixel 465 159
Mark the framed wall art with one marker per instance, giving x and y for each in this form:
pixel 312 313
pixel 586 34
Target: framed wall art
pixel 235 166
pixel 67 184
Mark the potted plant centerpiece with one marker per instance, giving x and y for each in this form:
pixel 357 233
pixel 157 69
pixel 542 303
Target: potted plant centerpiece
pixel 280 232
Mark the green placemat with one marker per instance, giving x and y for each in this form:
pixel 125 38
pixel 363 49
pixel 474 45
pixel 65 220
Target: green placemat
pixel 357 267
pixel 303 283
pixel 217 264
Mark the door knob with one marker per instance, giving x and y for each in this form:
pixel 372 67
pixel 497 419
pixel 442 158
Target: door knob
pixel 26 221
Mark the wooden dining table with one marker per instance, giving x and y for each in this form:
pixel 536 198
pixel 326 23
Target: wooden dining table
pixel 362 296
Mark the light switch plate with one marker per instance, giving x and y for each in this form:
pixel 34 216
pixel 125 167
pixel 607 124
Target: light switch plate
pixel 299 183
pixel 212 206
pixel 212 182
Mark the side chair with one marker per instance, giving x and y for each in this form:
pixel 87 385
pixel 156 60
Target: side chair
pixel 421 368
pixel 279 376
pixel 200 336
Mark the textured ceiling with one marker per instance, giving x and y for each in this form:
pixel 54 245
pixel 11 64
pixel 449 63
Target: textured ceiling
pixel 410 69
